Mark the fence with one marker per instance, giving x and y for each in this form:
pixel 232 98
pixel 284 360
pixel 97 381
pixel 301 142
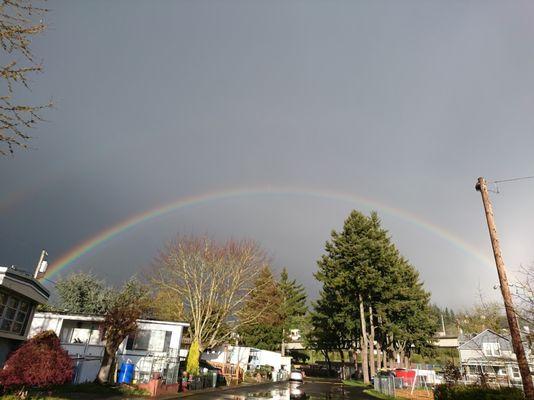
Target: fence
pixel 165 365
pixel 413 387
pixel 85 368
pixel 386 384
pixel 86 359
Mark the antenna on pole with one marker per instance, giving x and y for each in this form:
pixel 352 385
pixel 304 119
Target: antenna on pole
pixel 41 266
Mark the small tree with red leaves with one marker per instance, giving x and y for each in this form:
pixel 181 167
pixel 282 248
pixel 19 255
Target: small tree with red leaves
pixel 38 363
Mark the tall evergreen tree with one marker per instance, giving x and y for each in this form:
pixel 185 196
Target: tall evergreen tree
pixel 361 256
pixel 293 300
pixel 263 309
pixel 366 280
pixel 293 307
pixel 407 316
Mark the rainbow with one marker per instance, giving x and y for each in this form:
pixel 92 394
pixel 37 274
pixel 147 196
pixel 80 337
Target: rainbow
pixel 88 245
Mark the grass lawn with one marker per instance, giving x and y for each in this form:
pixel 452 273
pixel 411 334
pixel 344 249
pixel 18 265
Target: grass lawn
pixel 355 383
pixel 82 391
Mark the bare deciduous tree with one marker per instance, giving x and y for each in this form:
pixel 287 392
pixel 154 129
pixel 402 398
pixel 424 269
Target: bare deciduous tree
pixel 486 315
pixel 524 294
pixel 212 281
pixel 20 22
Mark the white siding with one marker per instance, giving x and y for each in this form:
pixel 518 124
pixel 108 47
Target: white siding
pixel 87 356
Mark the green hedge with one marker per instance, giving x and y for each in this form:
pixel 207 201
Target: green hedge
pixel 444 392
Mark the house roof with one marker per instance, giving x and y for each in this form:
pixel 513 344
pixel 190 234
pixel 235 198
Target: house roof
pixel 474 340
pixel 24 284
pixel 99 318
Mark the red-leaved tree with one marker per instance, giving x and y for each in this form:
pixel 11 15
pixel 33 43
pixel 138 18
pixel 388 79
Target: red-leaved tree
pixel 38 363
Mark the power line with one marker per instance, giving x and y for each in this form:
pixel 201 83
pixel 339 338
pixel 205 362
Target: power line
pixel 496 183
pixel 514 179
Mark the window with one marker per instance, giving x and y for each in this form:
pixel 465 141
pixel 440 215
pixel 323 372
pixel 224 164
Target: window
pixel 13 313
pixel 167 343
pixel 491 349
pixel 139 341
pixel 149 340
pixel 85 335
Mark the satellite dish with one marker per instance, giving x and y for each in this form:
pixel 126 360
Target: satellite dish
pixel 43 266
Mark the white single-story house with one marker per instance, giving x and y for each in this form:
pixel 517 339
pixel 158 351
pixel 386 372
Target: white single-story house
pixel 155 347
pixel 248 358
pixel 20 294
pixel 295 340
pixel 446 342
pixel 492 354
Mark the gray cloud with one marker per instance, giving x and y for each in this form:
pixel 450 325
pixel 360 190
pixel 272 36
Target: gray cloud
pixel 405 102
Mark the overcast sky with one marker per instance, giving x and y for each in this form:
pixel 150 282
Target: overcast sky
pixel 403 102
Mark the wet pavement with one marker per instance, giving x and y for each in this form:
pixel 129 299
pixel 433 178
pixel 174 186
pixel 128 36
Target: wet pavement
pixel 309 390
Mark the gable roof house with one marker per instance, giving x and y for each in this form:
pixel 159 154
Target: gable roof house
pixel 491 354
pixel 20 294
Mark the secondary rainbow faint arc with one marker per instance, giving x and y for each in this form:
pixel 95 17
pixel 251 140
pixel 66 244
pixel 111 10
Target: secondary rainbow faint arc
pixel 91 243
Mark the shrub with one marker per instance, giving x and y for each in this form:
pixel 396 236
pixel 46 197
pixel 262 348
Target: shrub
pixel 38 363
pixel 192 363
pixel 451 373
pixel 265 371
pixel 448 392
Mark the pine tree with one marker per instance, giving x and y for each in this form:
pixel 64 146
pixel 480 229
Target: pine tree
pixel 333 330
pixel 292 306
pixel 263 309
pixel 293 300
pixel 361 257
pixel 366 280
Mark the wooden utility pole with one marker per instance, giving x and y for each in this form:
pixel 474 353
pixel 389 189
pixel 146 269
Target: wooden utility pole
pixel 517 344
pixel 38 271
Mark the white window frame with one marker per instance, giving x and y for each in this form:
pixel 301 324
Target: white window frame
pixel 491 349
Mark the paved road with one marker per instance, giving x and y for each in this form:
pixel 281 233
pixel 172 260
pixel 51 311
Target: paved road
pixel 309 390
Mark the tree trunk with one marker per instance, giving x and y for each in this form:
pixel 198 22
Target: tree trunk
pixel 385 359
pixel 406 362
pixel 327 358
pixel 105 368
pixel 392 359
pixel 356 365
pixel 371 342
pixel 364 343
pixel 378 356
pixel 342 357
pixel 283 347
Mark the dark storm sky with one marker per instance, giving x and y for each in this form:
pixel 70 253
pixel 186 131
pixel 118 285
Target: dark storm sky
pixel 404 102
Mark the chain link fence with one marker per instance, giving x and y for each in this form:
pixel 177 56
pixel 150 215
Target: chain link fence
pixel 387 384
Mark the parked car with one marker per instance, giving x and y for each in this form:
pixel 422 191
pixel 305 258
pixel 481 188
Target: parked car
pixel 296 376
pixel 296 392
